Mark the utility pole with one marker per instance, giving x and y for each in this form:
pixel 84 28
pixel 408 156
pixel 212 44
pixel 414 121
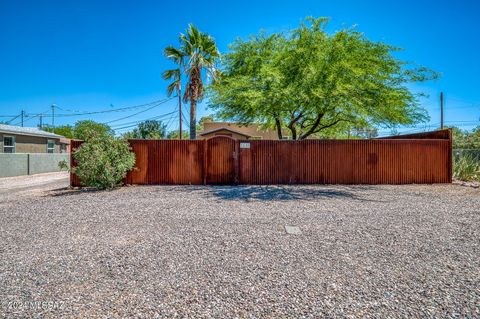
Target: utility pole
pixel 53 117
pixel 40 121
pixel 441 110
pixel 23 114
pixel 179 90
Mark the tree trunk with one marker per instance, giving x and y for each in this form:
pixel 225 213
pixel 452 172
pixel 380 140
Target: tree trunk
pixel 294 132
pixel 193 119
pixel 279 129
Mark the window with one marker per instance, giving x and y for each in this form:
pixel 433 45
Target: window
pixel 50 146
pixel 9 144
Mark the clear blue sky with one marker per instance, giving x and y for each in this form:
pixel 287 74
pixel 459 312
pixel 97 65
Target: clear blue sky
pixel 92 55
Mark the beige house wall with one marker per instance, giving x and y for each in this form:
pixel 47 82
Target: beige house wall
pixel 30 144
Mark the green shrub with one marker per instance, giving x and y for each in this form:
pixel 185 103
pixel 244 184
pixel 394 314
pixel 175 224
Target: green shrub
pixel 103 161
pixel 467 168
pixel 64 166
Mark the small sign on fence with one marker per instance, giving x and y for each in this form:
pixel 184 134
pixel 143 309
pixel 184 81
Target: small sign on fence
pixel 244 145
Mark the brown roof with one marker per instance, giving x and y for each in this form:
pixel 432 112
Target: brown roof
pixel 65 140
pixel 224 129
pixel 251 130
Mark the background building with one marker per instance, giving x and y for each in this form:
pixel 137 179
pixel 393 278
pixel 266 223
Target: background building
pixel 16 139
pixel 238 131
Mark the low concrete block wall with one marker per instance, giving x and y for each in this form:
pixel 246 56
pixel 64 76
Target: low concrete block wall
pixel 28 164
pixel 13 165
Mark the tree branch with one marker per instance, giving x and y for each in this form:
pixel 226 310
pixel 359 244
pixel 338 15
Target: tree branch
pixel 313 127
pixel 291 125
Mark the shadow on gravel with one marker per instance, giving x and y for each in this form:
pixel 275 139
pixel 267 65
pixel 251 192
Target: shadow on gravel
pixel 267 193
pixel 67 191
pixel 243 192
pixel 277 192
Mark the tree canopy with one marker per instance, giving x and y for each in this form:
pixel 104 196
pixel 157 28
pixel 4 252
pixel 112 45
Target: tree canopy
pixel 315 83
pixel 82 130
pixel 67 131
pixel 463 139
pixel 149 129
pixel 175 135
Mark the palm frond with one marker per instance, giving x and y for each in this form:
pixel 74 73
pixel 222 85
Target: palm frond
pixel 196 57
pixel 172 87
pixel 176 76
pixel 174 54
pixel 172 74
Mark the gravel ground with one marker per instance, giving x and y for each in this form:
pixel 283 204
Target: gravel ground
pixel 186 251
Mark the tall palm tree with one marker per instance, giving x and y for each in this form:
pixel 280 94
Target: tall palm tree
pixel 195 58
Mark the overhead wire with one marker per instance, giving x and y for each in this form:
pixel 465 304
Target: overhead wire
pixel 30 117
pixel 143 111
pixel 135 123
pixel 110 110
pixel 428 128
pixel 10 121
pixel 186 121
pixel 138 121
pixel 171 118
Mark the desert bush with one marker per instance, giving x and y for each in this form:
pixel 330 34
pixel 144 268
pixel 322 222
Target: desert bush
pixel 466 168
pixel 103 161
pixel 64 166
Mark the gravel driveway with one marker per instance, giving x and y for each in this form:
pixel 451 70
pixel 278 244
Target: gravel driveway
pixel 29 184
pixel 186 251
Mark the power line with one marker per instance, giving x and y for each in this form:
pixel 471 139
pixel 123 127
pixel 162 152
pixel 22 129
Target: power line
pixel 137 122
pixel 429 127
pixel 30 117
pixel 473 122
pixel 110 110
pixel 186 120
pixel 27 118
pixel 16 117
pixel 171 118
pixel 78 112
pixel 126 117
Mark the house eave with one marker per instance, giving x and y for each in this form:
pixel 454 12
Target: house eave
pixel 224 129
pixel 3 131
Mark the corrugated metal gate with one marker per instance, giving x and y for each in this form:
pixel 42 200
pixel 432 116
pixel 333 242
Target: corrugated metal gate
pixel 417 158
pixel 221 160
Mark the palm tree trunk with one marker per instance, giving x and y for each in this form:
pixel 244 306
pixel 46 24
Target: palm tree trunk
pixel 193 119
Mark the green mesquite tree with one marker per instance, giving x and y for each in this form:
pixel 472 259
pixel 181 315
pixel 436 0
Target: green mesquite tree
pixel 315 83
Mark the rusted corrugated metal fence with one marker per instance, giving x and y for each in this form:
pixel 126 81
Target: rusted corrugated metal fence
pixel 423 158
